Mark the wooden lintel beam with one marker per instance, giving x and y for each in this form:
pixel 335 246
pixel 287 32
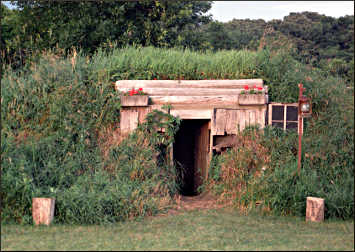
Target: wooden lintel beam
pixel 186 91
pixel 238 84
pixel 196 100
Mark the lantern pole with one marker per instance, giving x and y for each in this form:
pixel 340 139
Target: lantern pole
pixel 300 131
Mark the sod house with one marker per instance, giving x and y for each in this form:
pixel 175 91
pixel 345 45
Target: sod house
pixel 212 113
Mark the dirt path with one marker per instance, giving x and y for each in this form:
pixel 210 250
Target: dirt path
pixel 187 203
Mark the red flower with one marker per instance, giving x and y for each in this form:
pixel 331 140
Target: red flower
pixel 140 89
pixel 154 78
pixel 246 87
pixel 254 86
pixel 260 88
pixel 133 92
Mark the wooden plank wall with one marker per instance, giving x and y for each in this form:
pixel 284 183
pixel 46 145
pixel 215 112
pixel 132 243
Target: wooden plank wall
pixel 201 163
pixel 196 99
pixel 131 116
pixel 231 121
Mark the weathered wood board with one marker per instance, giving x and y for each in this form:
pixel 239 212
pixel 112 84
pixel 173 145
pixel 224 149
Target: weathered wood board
pixel 192 113
pixel 43 210
pixel 234 84
pixel 315 209
pixel 186 91
pixel 231 121
pixel 201 155
pixel 252 99
pixel 130 117
pixel 132 101
pixel 129 120
pixel 196 100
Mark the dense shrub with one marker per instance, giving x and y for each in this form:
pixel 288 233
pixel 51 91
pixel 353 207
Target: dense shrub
pixel 52 117
pixel 49 114
pixel 133 182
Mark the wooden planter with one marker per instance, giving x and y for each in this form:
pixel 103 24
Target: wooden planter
pixel 134 101
pixel 43 210
pixel 251 99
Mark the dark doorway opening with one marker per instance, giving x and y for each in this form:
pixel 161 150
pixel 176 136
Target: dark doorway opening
pixel 191 153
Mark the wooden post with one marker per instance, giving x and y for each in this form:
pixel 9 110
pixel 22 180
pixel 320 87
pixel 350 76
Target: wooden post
pixel 43 210
pixel 300 122
pixel 315 209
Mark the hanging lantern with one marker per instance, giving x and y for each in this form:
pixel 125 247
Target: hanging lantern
pixel 304 107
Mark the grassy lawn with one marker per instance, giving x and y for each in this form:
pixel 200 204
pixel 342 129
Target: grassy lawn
pixel 195 230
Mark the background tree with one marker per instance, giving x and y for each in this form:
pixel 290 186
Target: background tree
pixel 91 24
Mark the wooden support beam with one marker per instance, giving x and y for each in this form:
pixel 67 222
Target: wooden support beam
pixel 229 84
pixel 196 100
pixel 186 91
pixel 129 120
pixel 192 113
pixel 220 122
pixel 211 106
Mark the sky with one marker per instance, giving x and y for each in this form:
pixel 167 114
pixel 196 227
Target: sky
pixel 225 11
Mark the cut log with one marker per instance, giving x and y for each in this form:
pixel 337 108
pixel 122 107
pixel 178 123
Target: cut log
pixel 43 210
pixel 239 84
pixel 315 209
pixel 186 91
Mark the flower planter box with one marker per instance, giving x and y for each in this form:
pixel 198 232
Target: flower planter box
pixel 251 99
pixel 134 101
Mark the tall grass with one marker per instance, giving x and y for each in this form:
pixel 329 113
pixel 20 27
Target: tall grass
pixel 180 64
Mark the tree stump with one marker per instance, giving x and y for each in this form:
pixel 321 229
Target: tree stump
pixel 315 209
pixel 43 210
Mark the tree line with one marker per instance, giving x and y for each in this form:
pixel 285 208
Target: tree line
pixel 34 26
